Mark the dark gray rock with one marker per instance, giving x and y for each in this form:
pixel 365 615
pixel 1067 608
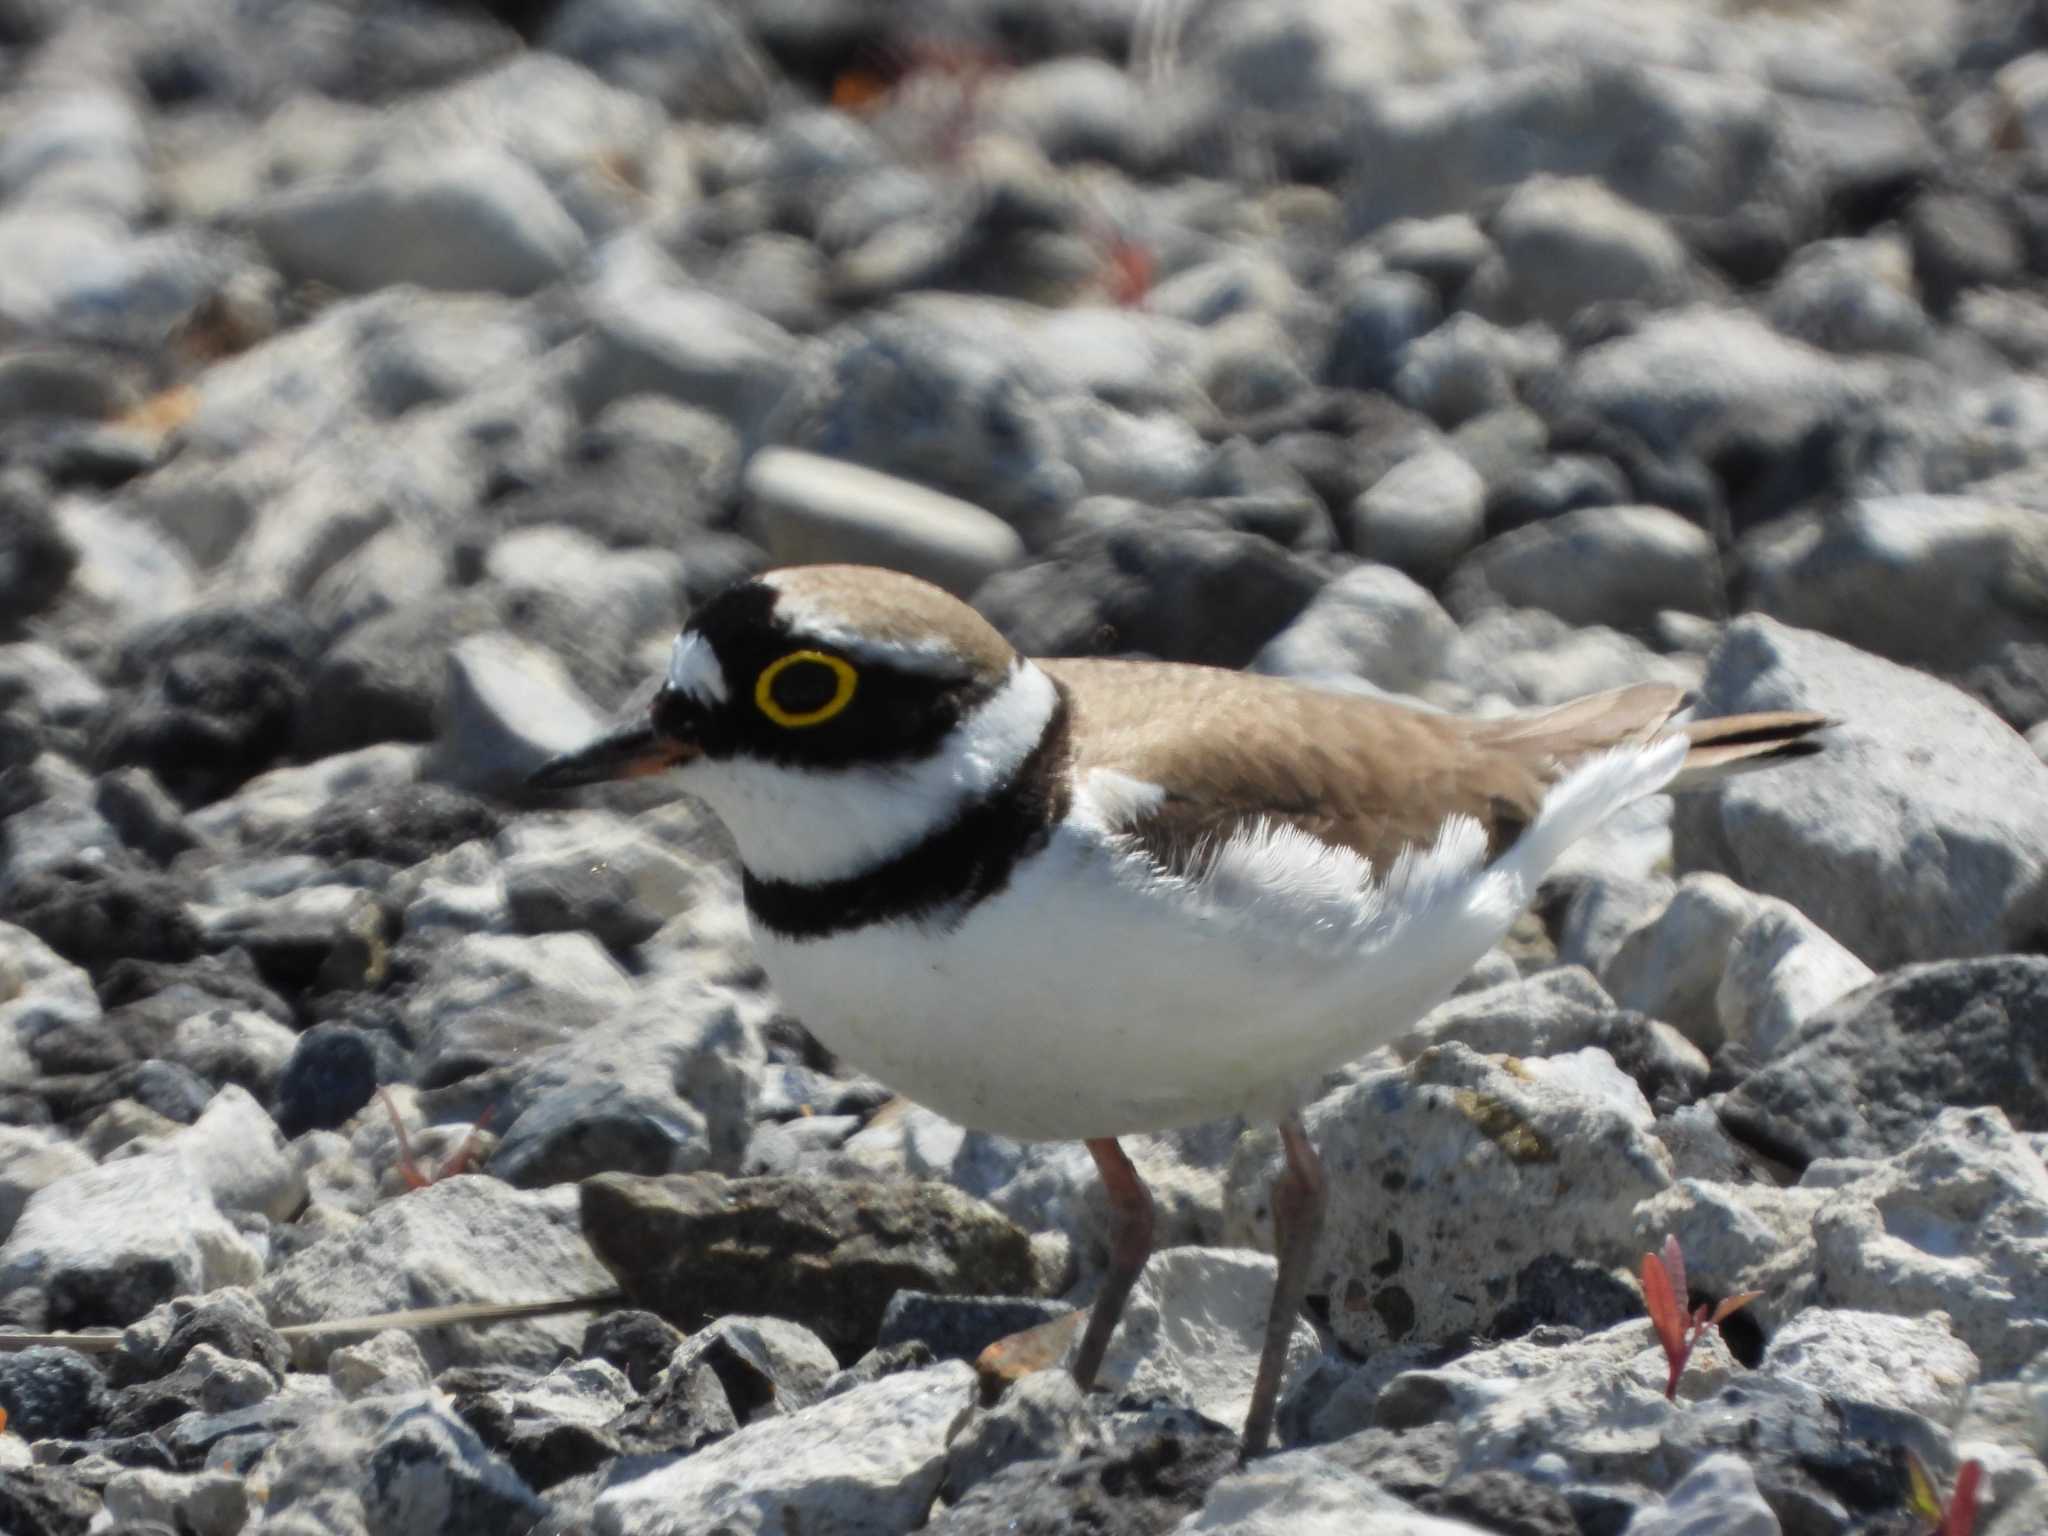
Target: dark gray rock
pixel 387 678
pixel 1960 241
pixel 596 899
pixel 961 1327
pixel 1180 590
pixel 767 1365
pixel 829 1253
pixel 1154 1472
pixel 431 1473
pixel 52 1394
pixel 680 1412
pixel 397 827
pixel 332 1073
pixel 148 820
pixel 229 1321
pixel 1503 1502
pixel 96 914
pixel 639 1343
pixel 44 1501
pixel 1378 314
pixel 1866 1076
pixel 36 558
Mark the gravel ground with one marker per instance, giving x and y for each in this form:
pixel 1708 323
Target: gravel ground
pixel 381 381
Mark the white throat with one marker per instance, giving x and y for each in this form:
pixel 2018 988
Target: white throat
pixel 815 824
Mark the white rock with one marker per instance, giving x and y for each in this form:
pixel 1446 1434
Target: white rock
pixel 806 509
pixel 31 1157
pixel 1443 1161
pixel 470 218
pixel 1193 1328
pixel 1303 1494
pixel 1718 1497
pixel 865 1463
pixel 384 1364
pixel 275 800
pixel 511 706
pixel 1373 623
pixel 461 1240
pixel 200 1503
pixel 1569 243
pixel 1914 1363
pixel 499 991
pixel 1845 836
pixel 1781 970
pixel 1620 566
pixel 1958 1222
pixel 39 991
pixel 1422 514
pixel 1672 966
pixel 118 1239
pixel 240 1155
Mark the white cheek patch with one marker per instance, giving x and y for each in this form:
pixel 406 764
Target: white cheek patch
pixel 693 670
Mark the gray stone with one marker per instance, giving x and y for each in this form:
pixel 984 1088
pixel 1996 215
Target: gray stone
pixel 1865 1076
pixel 1371 623
pixel 1458 371
pixel 1192 1331
pixel 1716 1498
pixel 1379 313
pixel 944 399
pixel 652 333
pixel 1421 515
pixel 1887 573
pixel 482 994
pixel 1910 837
pixel 384 1364
pixel 768 1366
pixel 1424 1236
pixel 665 1086
pixel 961 1327
pixel 1851 296
pixel 474 218
pixel 1179 588
pixel 1685 374
pixel 461 1240
pixel 29 1159
pixel 687 54
pixel 1152 1470
pixel 1619 566
pixel 286 798
pixel 511 707
pixel 805 510
pixel 1572 243
pixel 866 1463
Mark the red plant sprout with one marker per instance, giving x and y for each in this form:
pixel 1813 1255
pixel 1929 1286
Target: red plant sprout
pixel 463 1161
pixel 1960 1517
pixel 1664 1297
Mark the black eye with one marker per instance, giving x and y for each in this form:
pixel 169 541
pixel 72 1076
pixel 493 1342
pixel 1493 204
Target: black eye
pixel 804 688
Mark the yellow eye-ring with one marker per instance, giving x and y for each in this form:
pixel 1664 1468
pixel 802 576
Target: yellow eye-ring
pixel 802 699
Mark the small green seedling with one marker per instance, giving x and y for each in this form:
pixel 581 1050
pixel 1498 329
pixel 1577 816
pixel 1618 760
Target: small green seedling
pixel 1664 1297
pixel 1960 1517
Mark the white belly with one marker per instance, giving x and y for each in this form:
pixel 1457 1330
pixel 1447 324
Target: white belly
pixel 1095 997
pixel 1086 1000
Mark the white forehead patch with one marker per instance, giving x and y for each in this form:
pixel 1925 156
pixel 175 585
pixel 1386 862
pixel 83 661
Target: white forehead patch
pixel 820 622
pixel 693 670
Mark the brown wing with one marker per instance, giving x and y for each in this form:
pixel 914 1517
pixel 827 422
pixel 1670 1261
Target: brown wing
pixel 1232 749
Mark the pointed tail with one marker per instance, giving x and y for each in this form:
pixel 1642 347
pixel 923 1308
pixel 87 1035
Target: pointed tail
pixel 1737 743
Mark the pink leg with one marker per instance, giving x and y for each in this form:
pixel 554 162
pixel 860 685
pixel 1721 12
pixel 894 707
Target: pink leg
pixel 1299 1197
pixel 1130 1244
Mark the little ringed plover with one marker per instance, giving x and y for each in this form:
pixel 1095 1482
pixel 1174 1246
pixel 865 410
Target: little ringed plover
pixel 1079 899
